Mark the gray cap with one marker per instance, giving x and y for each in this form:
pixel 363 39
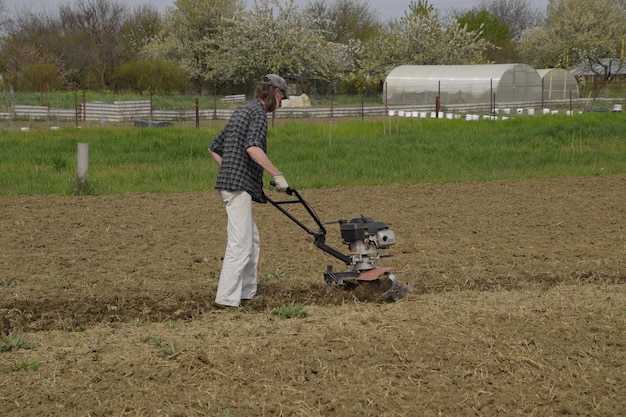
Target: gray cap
pixel 278 82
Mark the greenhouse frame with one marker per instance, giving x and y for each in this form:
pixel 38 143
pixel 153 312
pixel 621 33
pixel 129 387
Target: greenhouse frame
pixel 558 84
pixel 460 85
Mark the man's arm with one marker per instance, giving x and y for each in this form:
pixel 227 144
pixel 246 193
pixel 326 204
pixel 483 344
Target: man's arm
pixel 261 158
pixel 216 157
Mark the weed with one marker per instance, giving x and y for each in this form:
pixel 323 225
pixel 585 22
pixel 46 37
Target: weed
pixel 137 321
pixel 15 342
pixel 166 348
pixel 84 187
pixel 145 338
pixel 275 275
pixel 169 349
pixel 59 163
pixel 293 310
pixel 31 366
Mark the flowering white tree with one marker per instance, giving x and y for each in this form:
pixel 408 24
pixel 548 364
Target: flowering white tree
pixel 190 34
pixel 344 20
pixel 577 32
pixel 272 37
pixel 420 38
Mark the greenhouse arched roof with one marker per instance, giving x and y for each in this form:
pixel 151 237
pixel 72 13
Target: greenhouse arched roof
pixel 463 84
pixel 558 84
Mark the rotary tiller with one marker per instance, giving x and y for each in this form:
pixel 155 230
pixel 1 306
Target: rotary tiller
pixel 364 237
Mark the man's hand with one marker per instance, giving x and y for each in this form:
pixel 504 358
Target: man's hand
pixel 279 183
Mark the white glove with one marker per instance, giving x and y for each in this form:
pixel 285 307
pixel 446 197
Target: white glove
pixel 279 183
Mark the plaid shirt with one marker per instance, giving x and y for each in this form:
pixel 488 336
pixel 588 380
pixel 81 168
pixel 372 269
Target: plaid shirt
pixel 247 127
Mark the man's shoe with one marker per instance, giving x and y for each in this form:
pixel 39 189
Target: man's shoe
pixel 257 299
pixel 222 306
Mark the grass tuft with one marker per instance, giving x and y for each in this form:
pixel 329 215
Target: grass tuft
pixel 167 348
pixel 14 342
pixel 272 276
pixel 289 311
pixel 84 187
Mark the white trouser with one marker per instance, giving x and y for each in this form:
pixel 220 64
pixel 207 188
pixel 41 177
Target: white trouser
pixel 238 279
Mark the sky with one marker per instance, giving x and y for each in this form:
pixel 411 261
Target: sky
pixel 389 9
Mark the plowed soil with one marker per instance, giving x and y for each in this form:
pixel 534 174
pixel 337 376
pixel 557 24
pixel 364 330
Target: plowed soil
pixel 517 307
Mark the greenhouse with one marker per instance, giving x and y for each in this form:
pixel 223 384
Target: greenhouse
pixel 558 84
pixel 463 84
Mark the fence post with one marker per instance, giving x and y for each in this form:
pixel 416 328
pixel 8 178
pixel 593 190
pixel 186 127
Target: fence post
pixel 386 100
pixel 571 108
pixel 214 101
pixel 197 114
pixel 362 107
pixel 82 166
pixel 332 98
pixel 76 108
pixel 492 104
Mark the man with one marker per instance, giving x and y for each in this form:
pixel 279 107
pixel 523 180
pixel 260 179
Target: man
pixel 240 152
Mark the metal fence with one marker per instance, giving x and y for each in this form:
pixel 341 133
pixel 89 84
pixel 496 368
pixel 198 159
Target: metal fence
pixel 129 111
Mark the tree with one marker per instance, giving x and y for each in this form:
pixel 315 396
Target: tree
pixel 422 9
pixel 420 38
pixel 3 17
pixel 81 45
pixel 493 30
pixel 141 26
pixel 189 36
pixel 518 15
pixel 31 41
pixel 537 49
pixel 93 26
pixel 38 76
pixel 579 32
pixel 145 75
pixel 272 38
pixel 344 20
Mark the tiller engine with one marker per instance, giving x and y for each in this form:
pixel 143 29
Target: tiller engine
pixel 364 237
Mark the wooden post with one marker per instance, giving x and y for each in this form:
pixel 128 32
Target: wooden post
pixel 82 170
pixel 362 107
pixel 197 113
pixel 214 100
pixel 386 99
pixel 76 113
pixel 332 98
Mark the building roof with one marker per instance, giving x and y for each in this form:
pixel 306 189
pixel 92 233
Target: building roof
pixel 615 66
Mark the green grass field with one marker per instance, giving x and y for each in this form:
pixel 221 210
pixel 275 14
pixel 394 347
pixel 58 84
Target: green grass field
pixel 313 155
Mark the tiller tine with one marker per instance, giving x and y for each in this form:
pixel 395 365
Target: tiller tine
pixel 397 290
